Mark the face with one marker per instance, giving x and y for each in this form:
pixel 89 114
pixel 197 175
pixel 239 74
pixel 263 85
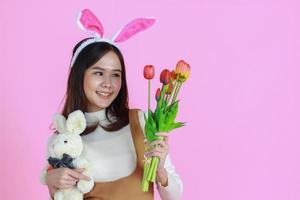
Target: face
pixel 102 82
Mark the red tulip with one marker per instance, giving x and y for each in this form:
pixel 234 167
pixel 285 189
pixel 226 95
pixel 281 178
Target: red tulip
pixel 149 72
pixel 173 75
pixel 165 76
pixel 183 70
pixel 157 94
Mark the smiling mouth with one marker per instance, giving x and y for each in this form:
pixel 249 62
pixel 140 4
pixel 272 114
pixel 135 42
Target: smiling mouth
pixel 104 94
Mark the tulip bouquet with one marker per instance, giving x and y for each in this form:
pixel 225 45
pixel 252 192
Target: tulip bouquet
pixel 163 118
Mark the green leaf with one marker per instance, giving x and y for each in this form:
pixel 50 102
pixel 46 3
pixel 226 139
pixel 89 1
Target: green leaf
pixel 171 114
pixel 177 125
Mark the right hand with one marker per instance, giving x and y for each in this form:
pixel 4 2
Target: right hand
pixel 62 178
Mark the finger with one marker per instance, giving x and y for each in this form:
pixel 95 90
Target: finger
pixel 159 143
pixel 78 175
pixel 159 149
pixel 80 170
pixel 167 139
pixel 156 154
pixel 69 178
pixel 150 152
pixel 67 183
pixel 146 144
pixel 155 150
pixel 66 186
pixel 70 183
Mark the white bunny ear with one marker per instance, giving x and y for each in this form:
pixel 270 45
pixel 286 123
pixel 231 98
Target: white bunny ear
pixel 76 122
pixel 89 22
pixel 59 123
pixel 132 28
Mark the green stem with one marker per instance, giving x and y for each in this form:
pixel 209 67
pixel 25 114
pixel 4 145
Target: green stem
pixel 174 91
pixel 150 169
pixel 148 97
pixel 177 91
pixel 168 98
pixel 145 183
pixel 156 161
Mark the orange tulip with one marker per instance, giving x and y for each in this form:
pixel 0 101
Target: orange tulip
pixel 173 75
pixel 183 70
pixel 149 72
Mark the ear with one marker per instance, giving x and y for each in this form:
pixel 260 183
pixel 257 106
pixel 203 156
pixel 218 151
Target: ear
pixel 132 28
pixel 89 22
pixel 59 123
pixel 76 122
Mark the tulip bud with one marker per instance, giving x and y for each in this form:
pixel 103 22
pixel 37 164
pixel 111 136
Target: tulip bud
pixel 169 88
pixel 165 76
pixel 157 94
pixel 149 72
pixel 183 70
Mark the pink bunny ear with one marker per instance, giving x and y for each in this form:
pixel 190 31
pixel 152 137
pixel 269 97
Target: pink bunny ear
pixel 132 28
pixel 88 21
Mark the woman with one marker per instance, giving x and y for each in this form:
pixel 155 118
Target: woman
pixel 114 140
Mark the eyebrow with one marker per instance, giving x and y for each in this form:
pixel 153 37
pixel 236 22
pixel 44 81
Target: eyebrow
pixel 103 69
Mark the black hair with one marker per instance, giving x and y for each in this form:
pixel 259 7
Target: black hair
pixel 75 97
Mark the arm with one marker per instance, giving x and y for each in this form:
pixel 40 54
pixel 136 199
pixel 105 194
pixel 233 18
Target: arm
pixel 60 178
pixel 169 184
pixel 174 188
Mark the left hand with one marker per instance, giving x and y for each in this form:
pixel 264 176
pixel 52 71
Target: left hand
pixel 160 149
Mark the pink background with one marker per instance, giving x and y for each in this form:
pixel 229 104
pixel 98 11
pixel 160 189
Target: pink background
pixel 241 103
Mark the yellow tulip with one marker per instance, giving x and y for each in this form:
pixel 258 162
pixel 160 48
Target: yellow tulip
pixel 182 70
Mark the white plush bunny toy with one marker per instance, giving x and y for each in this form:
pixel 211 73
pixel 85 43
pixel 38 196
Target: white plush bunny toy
pixel 64 150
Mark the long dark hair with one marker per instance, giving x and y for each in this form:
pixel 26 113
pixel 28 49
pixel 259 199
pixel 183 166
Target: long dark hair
pixel 75 97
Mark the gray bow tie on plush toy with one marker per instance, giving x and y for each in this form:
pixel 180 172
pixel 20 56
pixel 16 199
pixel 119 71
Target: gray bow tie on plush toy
pixel 66 161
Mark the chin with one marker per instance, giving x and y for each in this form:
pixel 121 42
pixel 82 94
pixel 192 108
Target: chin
pixel 103 106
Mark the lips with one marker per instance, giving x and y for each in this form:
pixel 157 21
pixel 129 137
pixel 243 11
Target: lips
pixel 104 94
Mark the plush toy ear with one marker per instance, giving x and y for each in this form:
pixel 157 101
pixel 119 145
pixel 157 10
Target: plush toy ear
pixel 76 122
pixel 59 123
pixel 132 28
pixel 89 22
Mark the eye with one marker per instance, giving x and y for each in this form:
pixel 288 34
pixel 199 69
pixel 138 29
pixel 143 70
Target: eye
pixel 116 75
pixel 65 141
pixel 99 73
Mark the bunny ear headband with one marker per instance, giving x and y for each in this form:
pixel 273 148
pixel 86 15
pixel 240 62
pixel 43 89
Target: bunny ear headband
pixel 89 22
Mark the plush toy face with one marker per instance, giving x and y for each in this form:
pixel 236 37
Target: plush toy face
pixel 68 143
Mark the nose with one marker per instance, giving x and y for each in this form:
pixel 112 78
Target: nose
pixel 106 82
